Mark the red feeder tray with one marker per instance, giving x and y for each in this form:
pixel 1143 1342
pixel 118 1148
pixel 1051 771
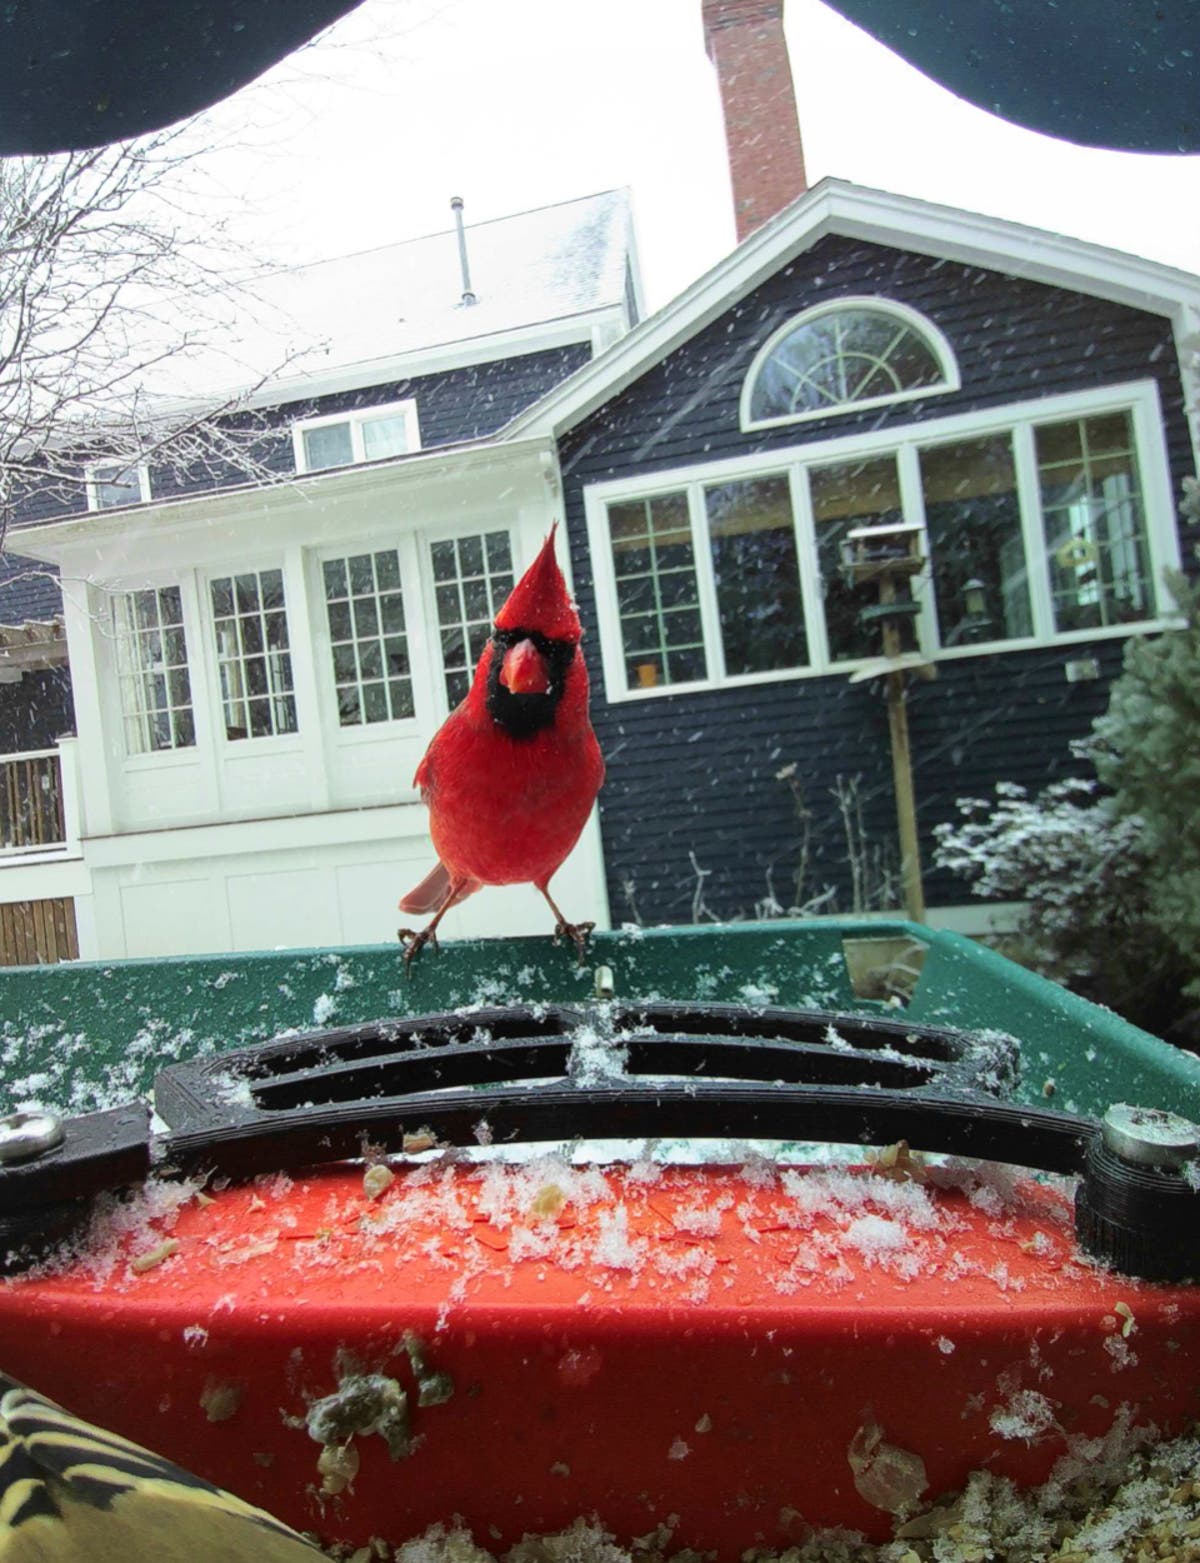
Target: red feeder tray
pixel 739 1351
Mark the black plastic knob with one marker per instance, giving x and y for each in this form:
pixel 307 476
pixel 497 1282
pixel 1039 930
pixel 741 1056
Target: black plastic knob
pixel 1141 1219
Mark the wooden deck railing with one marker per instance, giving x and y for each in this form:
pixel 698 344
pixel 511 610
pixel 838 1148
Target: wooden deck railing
pixel 32 817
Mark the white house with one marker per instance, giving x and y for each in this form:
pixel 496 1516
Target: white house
pixel 257 671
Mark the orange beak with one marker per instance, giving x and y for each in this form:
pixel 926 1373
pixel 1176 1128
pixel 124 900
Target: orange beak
pixel 523 671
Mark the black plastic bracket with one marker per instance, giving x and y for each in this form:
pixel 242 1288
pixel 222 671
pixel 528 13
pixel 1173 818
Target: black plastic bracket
pixel 43 1200
pixel 608 1071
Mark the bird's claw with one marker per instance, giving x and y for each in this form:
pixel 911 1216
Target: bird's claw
pixel 413 941
pixel 577 933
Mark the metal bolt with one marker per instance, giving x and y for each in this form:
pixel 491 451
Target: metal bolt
pixel 24 1135
pixel 605 987
pixel 1150 1136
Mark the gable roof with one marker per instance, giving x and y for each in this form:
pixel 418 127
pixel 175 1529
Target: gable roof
pixel 901 222
pixel 336 319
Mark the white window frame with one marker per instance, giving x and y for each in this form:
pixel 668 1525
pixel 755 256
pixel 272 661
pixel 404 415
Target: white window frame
pixel 406 409
pixel 124 634
pixel 921 325
pixel 199 672
pixel 420 607
pixel 413 595
pixel 93 479
pixel 252 743
pixel 1139 398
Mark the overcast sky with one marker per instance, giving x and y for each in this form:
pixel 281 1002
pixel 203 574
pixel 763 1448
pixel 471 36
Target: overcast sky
pixel 362 138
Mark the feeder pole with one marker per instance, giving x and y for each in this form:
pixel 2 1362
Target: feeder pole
pixel 902 771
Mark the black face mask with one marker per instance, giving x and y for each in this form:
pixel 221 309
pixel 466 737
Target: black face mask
pixel 523 715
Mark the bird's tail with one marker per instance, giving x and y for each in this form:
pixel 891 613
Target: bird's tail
pixel 433 890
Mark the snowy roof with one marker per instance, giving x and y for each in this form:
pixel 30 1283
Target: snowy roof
pixel 550 264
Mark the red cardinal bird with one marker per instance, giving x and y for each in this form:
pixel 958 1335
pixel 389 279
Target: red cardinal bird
pixel 512 773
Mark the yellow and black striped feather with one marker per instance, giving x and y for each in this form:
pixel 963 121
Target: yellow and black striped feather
pixel 73 1493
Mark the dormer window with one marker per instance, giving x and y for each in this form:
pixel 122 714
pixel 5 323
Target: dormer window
pixel 343 439
pixel 114 483
pixel 851 354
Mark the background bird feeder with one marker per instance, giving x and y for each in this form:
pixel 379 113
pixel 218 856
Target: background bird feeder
pixel 886 556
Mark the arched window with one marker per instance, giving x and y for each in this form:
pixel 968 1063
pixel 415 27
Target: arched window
pixel 857 352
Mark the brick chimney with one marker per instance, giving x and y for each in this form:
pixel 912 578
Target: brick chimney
pixel 745 42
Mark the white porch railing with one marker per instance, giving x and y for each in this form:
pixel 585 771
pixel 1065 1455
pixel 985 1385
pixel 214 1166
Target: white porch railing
pixel 35 810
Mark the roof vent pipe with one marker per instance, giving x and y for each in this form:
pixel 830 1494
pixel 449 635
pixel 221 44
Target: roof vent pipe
pixel 456 206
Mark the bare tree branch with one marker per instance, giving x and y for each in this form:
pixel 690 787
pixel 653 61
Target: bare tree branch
pixel 105 275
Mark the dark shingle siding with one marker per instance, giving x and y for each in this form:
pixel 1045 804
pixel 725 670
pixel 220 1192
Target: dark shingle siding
pixel 698 772
pixel 1013 339
pixel 453 405
pixel 29 588
pixel 1007 717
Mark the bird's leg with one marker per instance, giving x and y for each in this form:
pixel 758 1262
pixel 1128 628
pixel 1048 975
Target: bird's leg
pixel 576 932
pixel 414 940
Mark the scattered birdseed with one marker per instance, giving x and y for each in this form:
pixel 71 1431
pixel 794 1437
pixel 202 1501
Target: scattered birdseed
pixel 1102 1504
pixel 338 1466
pixel 151 1257
pixel 221 1399
pixel 376 1179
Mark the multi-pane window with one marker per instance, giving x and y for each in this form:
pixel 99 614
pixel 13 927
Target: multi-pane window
pixel 757 574
pixel 113 483
pixel 253 660
pixel 839 357
pixel 368 435
pixel 152 669
pixel 364 606
pixel 657 597
pixel 1036 528
pixel 1094 520
pixel 472 577
pixel 973 519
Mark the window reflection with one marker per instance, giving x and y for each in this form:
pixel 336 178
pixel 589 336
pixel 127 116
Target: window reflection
pixel 364 607
pixel 757 574
pixel 973 520
pixel 1094 522
pixel 253 657
pixel 152 667
pixel 846 495
pixel 839 357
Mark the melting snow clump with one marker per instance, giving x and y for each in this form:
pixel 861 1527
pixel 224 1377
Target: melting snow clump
pixel 1027 1416
pixel 595 1059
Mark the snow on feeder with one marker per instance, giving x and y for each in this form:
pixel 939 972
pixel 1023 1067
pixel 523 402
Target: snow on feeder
pixel 368 1279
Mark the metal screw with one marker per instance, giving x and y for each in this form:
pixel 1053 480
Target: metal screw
pixel 24 1135
pixel 605 986
pixel 1150 1136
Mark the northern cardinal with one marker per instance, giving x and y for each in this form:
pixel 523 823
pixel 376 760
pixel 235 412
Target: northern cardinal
pixel 511 775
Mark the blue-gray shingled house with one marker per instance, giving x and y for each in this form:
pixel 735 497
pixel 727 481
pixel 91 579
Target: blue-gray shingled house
pixel 256 669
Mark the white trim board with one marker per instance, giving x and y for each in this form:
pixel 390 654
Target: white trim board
pixel 53 541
